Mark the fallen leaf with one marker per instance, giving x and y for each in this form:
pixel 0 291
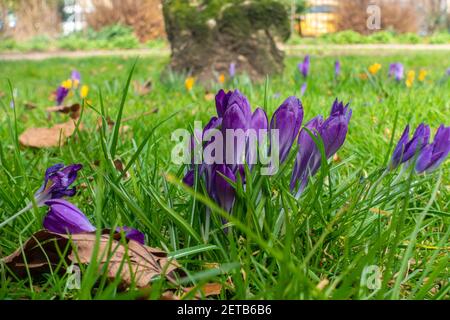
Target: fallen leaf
pixel 322 284
pixel 133 263
pixel 73 110
pixel 30 105
pixel 209 97
pixel 207 290
pixel 118 164
pixel 336 158
pixel 48 137
pixel 143 89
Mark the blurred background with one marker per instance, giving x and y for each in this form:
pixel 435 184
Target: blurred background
pixel 42 25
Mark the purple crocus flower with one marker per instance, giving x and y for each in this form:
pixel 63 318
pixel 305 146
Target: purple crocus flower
pixel 435 153
pixel 303 89
pixel 232 70
pixel 259 123
pixel 60 94
pixel 337 69
pixel 237 115
pixel 303 67
pixel 333 132
pixel 234 113
pixel 396 70
pixel 406 148
pixel 448 72
pixel 132 234
pixel 287 119
pixel 308 157
pixel 76 76
pixel 58 179
pixel 65 218
pixel 224 191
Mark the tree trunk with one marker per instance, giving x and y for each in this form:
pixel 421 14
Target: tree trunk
pixel 37 17
pixel 205 39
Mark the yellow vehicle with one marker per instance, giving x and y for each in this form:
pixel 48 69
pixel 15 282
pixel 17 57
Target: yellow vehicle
pixel 319 18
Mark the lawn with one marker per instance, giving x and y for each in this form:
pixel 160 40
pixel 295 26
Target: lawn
pixel 354 234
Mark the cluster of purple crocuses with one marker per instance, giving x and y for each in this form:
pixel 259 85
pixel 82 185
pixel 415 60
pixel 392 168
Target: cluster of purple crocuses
pixel 234 112
pixel 397 71
pixel 425 155
pixel 64 217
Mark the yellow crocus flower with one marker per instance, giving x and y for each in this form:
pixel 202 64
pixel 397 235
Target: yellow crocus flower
pixel 373 69
pixel 67 84
pixel 189 83
pixel 422 75
pixel 84 91
pixel 410 78
pixel 222 78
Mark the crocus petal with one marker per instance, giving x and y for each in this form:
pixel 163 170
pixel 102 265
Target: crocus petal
pixel 287 119
pixel 418 142
pixel 132 234
pixel 225 192
pixel 303 89
pixel 57 182
pixel 399 149
pixel 63 217
pixel 259 124
pixel 189 178
pixel 434 154
pixel 259 120
pixel 232 70
pixel 337 68
pixel 304 66
pixel 308 157
pixel 222 102
pixel 334 129
pixel 234 119
pixel 76 76
pixel 60 94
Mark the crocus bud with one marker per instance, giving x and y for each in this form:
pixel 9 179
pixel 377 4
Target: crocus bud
pixel 232 70
pixel 222 102
pixel 334 130
pixel 60 94
pixel 308 157
pixel 65 218
pixel 76 76
pixel 406 149
pixel 223 190
pixel 288 120
pixel 337 69
pixel 434 154
pixel 189 178
pixel 259 125
pixel 303 67
pixel 236 121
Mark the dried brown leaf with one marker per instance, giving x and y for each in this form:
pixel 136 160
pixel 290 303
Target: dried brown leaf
pixel 207 290
pixel 73 110
pixel 143 89
pixel 48 137
pixel 133 263
pixel 30 105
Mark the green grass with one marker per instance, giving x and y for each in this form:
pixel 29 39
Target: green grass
pixel 380 37
pixel 279 248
